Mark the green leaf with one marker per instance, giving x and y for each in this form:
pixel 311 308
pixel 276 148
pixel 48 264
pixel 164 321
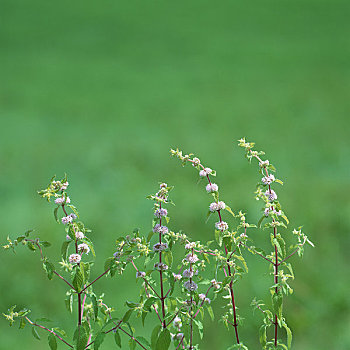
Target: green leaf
pixel 289 334
pixel 218 237
pixel 143 341
pixel 85 270
pixel 168 258
pixel 149 302
pixel 117 339
pixel 78 280
pixel 35 333
pixel 45 244
pixel 69 303
pixel 127 315
pixel 94 305
pixel 262 335
pixel 154 336
pixel 80 338
pixel 132 344
pixel 49 268
pixel 52 341
pixel 230 210
pixel 55 213
pixel 99 340
pixel 210 311
pixel 109 263
pixel 277 301
pixel 64 249
pixel 261 220
pixel 22 323
pixel 164 340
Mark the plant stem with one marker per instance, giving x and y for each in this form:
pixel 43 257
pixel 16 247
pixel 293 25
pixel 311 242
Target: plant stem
pixel 235 323
pixel 96 279
pixel 49 330
pixel 275 264
pixel 63 279
pixel 161 272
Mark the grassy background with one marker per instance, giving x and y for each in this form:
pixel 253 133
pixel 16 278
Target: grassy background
pixel 102 90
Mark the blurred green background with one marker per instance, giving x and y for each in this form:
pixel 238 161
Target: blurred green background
pixel 102 90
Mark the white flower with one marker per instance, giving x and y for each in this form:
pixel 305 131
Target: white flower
pixel 158 247
pixel 215 284
pixel 212 188
pixel 190 245
pixel 221 225
pixel 205 172
pixel 268 180
pixel 161 212
pixel 266 212
pixel 177 322
pixel 207 300
pixel 62 200
pixel 140 274
pixel 201 296
pixel 221 205
pixel 213 207
pixel 66 219
pixel 68 238
pixel 264 163
pixel 160 229
pixel 74 258
pixel 83 248
pixel 179 336
pixel 271 195
pixel 73 216
pixel 64 185
pixel 79 235
pixel 192 258
pixel 161 266
pixel 163 185
pixel 190 286
pixel 177 277
pixel 188 273
pixel 196 161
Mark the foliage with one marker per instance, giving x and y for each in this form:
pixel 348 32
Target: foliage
pixel 170 268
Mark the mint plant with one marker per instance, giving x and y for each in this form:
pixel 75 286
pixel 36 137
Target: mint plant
pixel 180 279
pixel 229 261
pixel 281 270
pixel 93 315
pixel 170 285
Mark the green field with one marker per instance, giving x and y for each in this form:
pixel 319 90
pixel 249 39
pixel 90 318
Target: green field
pixel 102 90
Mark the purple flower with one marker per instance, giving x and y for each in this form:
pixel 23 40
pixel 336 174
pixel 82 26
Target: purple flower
pixel 271 195
pixel 160 213
pixel 190 286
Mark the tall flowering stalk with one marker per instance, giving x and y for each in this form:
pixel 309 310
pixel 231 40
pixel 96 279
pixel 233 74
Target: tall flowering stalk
pixel 229 240
pixel 92 319
pixel 282 270
pixel 170 291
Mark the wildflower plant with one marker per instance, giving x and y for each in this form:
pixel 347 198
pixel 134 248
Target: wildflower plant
pixel 94 319
pixel 275 220
pixel 176 294
pixel 170 288
pixel 229 258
